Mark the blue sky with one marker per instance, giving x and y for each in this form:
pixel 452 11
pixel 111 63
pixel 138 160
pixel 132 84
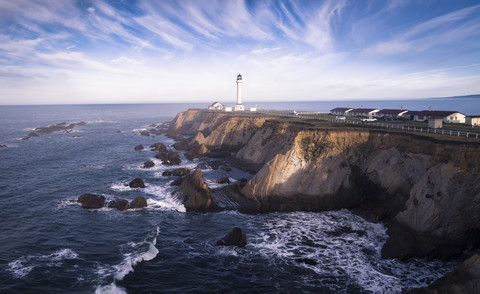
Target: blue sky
pixel 170 51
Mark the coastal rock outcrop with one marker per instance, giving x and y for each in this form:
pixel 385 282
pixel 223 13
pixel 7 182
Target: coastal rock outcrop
pixel 139 147
pixel 194 193
pixel 420 187
pixel 234 238
pixel 91 201
pixel 465 279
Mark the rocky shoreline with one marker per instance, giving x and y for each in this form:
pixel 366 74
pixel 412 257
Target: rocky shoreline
pixel 426 192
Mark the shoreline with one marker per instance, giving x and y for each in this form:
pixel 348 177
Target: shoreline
pixel 382 176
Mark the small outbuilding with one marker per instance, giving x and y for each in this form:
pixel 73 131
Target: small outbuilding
pixel 216 106
pixel 473 120
pixel 447 116
pixel 435 122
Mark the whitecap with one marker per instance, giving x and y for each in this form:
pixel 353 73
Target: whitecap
pixel 19 269
pixel 99 121
pixel 163 199
pixel 120 187
pixel 130 260
pixel 25 264
pixel 110 289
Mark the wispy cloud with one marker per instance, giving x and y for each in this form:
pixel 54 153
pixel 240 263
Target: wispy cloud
pixel 444 29
pixel 320 48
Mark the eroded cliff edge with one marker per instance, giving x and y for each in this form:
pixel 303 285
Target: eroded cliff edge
pixel 426 191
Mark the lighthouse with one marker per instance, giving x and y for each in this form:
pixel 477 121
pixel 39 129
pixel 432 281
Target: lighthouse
pixel 239 106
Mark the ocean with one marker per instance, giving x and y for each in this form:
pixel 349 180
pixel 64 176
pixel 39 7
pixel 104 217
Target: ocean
pixel 50 244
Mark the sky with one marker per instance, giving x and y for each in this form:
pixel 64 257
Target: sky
pixel 148 51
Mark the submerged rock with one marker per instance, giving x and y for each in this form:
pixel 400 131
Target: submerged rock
pixel 235 238
pixel 138 202
pixel 139 147
pixel 308 261
pixel 145 133
pixel 91 201
pixel 137 183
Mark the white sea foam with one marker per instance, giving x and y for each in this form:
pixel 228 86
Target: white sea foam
pixel 120 187
pixel 163 199
pixel 130 260
pixel 25 264
pixel 110 289
pixel 343 245
pixel 99 121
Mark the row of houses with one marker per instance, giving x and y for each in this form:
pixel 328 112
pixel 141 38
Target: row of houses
pixel 424 115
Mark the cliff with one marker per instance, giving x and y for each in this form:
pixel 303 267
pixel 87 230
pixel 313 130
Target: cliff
pixel 426 191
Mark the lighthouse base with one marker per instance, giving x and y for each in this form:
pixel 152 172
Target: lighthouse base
pixel 239 107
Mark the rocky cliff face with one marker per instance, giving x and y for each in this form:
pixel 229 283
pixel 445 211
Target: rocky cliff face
pixel 427 191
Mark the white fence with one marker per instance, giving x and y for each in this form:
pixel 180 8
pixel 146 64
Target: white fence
pixel 382 125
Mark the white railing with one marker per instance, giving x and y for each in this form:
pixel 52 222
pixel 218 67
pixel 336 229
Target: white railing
pixel 381 125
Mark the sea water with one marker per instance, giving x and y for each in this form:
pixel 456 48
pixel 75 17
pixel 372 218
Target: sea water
pixel 50 244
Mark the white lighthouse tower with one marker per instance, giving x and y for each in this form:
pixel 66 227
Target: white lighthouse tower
pixel 239 106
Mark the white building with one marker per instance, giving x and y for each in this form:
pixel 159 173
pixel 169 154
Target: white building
pixel 447 116
pixel 239 106
pixel 216 106
pixel 473 120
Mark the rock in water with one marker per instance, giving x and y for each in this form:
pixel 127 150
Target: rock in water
pixel 159 147
pixel 180 172
pixel 139 147
pixel 194 193
pixel 137 183
pixel 33 134
pixel 235 238
pixel 119 204
pixel 465 279
pixel 177 182
pixel 91 201
pixel 225 180
pixel 169 157
pixel 148 164
pixel 138 202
